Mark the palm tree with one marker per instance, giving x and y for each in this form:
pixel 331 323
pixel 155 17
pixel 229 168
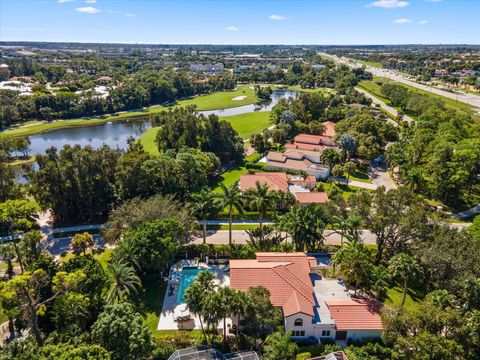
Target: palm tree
pixel 262 200
pixel 330 157
pixel 278 346
pixel 355 262
pixel 350 168
pixel 348 225
pixel 125 282
pixel 196 293
pixel 380 279
pixel 8 253
pixel 81 242
pixel 126 253
pixel 203 203
pixel 404 267
pixel 231 199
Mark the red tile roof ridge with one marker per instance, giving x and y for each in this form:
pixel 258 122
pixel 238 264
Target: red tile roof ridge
pixel 294 305
pixel 308 287
pixel 276 270
pixel 255 264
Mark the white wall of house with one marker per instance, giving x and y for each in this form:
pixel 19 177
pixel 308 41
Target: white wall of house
pixel 307 325
pixel 321 174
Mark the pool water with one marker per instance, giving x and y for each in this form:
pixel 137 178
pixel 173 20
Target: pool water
pixel 188 275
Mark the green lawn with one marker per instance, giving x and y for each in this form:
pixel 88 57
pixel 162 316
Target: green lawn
pixel 346 190
pixel 250 123
pixel 394 296
pixel 218 100
pixel 148 141
pixel 234 227
pixel 223 99
pixel 375 89
pixel 231 176
pixel 245 124
pixel 103 257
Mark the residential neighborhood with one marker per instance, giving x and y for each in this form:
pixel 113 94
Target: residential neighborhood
pixel 239 180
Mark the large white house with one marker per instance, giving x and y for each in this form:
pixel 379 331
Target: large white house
pixel 311 306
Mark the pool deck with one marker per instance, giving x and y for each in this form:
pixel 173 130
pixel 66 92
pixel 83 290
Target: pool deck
pixel 171 307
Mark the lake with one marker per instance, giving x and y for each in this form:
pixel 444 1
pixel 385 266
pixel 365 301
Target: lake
pixel 116 134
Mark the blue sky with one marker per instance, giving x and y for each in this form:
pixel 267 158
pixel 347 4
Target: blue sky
pixel 242 22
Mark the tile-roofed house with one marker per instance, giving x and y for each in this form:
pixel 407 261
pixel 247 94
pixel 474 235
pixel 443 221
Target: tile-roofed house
pixel 285 275
pixel 311 197
pixel 275 181
pixel 298 160
pixel 355 314
pixel 312 306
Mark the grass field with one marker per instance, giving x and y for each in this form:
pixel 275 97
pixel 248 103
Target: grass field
pixel 231 176
pixel 346 190
pixel 245 124
pixel 375 89
pixel 220 100
pixel 103 257
pixel 148 141
pixel 248 124
pixel 223 99
pixel 394 296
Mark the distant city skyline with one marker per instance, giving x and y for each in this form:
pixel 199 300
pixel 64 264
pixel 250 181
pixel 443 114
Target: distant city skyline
pixel 350 22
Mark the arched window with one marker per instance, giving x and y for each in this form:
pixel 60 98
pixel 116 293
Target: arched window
pixel 298 322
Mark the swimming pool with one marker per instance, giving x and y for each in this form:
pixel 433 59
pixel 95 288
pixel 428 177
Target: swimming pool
pixel 188 275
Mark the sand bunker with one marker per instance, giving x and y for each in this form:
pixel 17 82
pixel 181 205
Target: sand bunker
pixel 239 98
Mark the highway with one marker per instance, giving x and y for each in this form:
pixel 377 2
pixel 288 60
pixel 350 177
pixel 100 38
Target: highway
pixel 466 98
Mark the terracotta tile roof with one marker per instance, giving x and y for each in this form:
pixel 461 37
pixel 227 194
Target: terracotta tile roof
pixel 355 314
pixel 285 275
pixel 275 181
pixel 276 156
pixel 308 139
pixel 311 197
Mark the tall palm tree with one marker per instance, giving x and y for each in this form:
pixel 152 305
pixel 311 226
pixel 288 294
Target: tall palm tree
pixel 125 282
pixel 346 225
pixel 126 253
pixel 355 262
pixel 330 157
pixel 231 199
pixel 8 253
pixel 203 203
pixel 262 200
pixel 404 267
pixel 196 293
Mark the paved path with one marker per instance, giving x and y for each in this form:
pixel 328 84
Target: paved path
pixel 380 177
pixel 467 98
pixel 360 184
pixel 384 106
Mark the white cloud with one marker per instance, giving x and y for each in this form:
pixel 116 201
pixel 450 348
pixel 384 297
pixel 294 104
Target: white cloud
pixel 423 22
pixel 232 28
pixel 277 17
pixel 64 1
pixel 131 15
pixel 90 1
pixel 402 21
pixel 88 10
pixel 389 4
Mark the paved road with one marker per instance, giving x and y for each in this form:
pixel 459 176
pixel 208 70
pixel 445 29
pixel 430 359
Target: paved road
pixel 384 106
pixel 241 237
pixel 467 98
pixel 380 177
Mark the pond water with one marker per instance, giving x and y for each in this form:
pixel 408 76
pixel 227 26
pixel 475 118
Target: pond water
pixel 116 134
